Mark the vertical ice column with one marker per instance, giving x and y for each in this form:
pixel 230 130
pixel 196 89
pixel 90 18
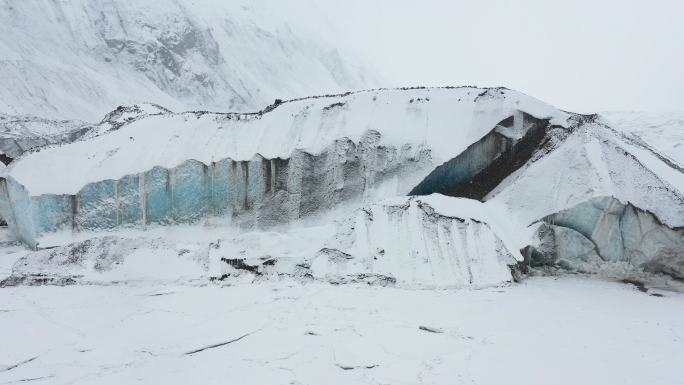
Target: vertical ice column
pixel 16 209
pixel 130 201
pixel 96 207
pixel 219 189
pixel 51 213
pixel 156 197
pixel 256 182
pixel 188 192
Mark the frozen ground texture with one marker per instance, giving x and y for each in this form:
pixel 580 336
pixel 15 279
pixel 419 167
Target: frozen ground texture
pixel 561 330
pixel 81 59
pixel 306 189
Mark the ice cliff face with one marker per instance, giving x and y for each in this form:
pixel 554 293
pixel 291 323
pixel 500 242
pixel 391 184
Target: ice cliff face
pixel 185 55
pixel 559 190
pixel 305 160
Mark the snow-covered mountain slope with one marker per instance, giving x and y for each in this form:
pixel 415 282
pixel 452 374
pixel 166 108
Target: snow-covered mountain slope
pixel 663 131
pixel 606 196
pixel 80 59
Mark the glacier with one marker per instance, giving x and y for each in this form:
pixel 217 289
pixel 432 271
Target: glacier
pixel 613 231
pixel 335 156
pixel 224 191
pixel 605 197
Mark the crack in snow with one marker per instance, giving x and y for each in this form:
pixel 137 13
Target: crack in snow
pixel 220 344
pixel 8 368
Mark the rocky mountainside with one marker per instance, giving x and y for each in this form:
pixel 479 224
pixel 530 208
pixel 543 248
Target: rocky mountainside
pixel 20 134
pixel 81 59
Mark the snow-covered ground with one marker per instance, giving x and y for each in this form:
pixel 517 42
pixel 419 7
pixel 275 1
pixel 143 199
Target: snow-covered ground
pixel 560 330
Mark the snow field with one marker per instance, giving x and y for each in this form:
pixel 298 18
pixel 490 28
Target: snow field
pixel 563 330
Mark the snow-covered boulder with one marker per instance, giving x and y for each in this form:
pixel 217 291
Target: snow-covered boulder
pixel 432 241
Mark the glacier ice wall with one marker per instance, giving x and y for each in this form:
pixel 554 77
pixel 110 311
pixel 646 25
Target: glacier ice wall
pixel 616 232
pixel 588 161
pixel 444 120
pixel 256 194
pixel 295 161
pixel 325 158
pixel 485 163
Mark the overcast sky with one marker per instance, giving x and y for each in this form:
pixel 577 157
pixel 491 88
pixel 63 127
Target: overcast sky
pixel 580 55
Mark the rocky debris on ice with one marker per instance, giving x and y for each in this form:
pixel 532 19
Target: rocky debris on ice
pixel 431 329
pixel 112 259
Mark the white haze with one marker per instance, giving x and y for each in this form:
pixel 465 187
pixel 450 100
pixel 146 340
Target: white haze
pixel 583 56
